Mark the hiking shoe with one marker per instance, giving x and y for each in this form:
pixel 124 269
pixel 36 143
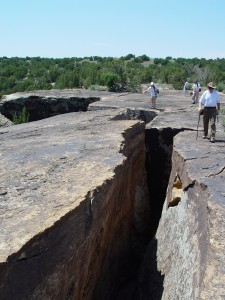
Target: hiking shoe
pixel 204 137
pixel 212 140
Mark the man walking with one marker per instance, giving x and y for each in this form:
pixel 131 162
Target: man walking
pixel 196 88
pixel 185 88
pixel 209 103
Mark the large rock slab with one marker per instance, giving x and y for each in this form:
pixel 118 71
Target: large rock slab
pixel 71 189
pixel 191 232
pixel 192 227
pixel 68 190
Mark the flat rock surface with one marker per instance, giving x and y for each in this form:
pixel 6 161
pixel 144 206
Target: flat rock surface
pixel 47 168
pixel 173 109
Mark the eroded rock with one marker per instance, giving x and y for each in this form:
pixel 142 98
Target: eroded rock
pixel 190 248
pixel 70 188
pixel 74 212
pixel 44 104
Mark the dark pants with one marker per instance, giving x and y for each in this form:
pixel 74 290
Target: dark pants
pixel 209 116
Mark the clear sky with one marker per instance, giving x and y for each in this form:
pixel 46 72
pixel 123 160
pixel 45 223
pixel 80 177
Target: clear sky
pixel 78 28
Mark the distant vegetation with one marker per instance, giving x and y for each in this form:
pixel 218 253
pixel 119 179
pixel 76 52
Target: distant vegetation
pixel 126 73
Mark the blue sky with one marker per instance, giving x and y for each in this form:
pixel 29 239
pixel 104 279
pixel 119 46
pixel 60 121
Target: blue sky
pixel 78 28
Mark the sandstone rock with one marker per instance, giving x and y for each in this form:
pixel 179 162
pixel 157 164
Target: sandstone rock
pixel 190 234
pixel 74 209
pixel 68 190
pixel 4 122
pixel 45 104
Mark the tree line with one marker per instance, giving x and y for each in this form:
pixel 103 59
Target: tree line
pixel 126 73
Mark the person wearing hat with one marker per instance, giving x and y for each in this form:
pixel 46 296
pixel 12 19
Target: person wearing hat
pixel 154 91
pixel 209 104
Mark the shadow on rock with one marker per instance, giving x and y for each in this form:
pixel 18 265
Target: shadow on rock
pixel 149 282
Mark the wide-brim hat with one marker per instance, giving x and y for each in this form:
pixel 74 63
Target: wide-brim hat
pixel 211 85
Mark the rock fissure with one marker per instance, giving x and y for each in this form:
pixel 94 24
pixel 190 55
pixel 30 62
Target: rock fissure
pixel 128 215
pixel 40 107
pixel 190 185
pixel 217 173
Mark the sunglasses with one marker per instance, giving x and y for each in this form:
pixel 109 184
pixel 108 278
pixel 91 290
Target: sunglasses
pixel 210 88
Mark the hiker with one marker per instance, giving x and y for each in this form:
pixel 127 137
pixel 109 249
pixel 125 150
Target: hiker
pixel 209 104
pixel 154 91
pixel 185 88
pixel 195 93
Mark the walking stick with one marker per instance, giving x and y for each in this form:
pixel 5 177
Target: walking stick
pixel 198 124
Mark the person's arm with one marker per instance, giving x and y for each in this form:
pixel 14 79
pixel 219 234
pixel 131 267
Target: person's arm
pixel 218 104
pixel 146 91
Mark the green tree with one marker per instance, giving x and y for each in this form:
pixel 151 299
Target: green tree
pixel 68 80
pixel 23 117
pixel 111 80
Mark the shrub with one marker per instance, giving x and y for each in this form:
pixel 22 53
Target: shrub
pixel 23 117
pixel 112 81
pixel 220 87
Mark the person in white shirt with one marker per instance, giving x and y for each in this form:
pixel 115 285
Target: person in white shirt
pixel 185 88
pixel 196 89
pixel 209 104
pixel 154 91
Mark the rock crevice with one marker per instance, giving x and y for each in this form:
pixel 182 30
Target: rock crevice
pixel 103 206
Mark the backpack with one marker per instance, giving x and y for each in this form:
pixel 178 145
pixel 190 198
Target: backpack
pixel 199 89
pixel 156 90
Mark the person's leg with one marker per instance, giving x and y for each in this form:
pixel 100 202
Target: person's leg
pixel 154 102
pixel 206 121
pixel 196 97
pixel 193 98
pixel 212 119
